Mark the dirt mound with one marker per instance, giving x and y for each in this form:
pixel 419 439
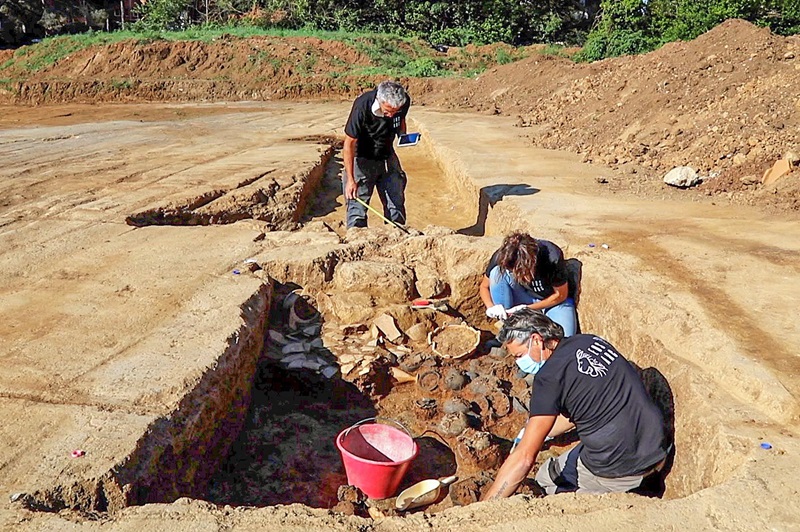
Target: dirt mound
pixel 725 104
pixel 226 68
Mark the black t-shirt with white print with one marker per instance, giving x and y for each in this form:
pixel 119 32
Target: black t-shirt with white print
pixel 589 382
pixel 550 271
pixel 375 134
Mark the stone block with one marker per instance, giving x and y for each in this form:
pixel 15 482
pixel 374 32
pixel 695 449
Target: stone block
pixel 385 281
pixel 778 170
pixel 682 176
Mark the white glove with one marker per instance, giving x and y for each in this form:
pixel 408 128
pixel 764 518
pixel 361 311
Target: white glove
pixel 497 312
pixel 512 310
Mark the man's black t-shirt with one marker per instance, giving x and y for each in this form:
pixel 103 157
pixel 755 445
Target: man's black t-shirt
pixel 589 382
pixel 550 269
pixel 375 134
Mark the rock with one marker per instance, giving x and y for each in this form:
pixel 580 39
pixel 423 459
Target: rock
pixel 739 159
pixel 682 176
pixel 347 307
pixel 778 170
pixel 386 325
pixel 350 494
pixel 386 282
pixel 749 180
pixel 793 157
pixel 418 332
pixel 428 284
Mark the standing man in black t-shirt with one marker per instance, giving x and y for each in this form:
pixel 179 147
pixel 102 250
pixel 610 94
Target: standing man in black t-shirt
pixel 584 383
pixel 377 117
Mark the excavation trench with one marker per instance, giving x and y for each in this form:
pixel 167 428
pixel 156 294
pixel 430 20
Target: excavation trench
pixel 286 452
pixel 271 439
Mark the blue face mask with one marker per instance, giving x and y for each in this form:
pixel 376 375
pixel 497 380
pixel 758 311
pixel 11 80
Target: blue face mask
pixel 528 365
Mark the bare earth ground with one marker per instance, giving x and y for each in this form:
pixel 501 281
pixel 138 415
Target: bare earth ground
pixel 111 330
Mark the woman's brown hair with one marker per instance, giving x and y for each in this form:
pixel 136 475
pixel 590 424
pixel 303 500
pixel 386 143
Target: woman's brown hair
pixel 518 256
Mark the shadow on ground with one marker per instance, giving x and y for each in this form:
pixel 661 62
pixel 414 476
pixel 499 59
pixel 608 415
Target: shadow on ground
pixel 489 196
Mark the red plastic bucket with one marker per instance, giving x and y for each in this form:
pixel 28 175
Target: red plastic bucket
pixel 376 456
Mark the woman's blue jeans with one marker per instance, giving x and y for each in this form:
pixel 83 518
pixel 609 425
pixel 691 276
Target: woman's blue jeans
pixel 506 291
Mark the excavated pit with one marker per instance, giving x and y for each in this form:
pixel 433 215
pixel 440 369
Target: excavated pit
pixel 465 412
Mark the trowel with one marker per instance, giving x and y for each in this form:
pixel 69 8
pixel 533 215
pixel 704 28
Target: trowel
pixel 422 493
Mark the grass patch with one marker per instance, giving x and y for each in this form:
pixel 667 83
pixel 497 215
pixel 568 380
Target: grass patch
pixel 121 84
pixel 554 50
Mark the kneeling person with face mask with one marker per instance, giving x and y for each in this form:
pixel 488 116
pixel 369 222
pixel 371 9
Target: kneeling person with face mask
pixel 582 381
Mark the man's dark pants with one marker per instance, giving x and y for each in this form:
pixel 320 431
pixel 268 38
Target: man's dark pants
pixel 390 180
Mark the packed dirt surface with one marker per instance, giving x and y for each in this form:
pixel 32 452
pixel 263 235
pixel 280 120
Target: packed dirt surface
pixel 148 325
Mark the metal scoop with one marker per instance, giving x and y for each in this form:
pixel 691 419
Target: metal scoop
pixel 422 493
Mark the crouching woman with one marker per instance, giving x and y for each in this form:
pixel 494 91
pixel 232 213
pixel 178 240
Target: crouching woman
pixel 528 273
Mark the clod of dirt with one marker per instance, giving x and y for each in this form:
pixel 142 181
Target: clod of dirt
pixel 354 328
pixel 376 380
pixel 469 490
pixel 478 451
pixel 345 508
pixel 350 494
pixel 381 508
pixel 428 283
pixel 456 405
pixel 499 402
pixel 455 379
pixel 454 424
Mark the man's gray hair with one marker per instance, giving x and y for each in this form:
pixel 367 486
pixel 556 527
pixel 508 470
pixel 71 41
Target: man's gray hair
pixel 391 93
pixel 524 323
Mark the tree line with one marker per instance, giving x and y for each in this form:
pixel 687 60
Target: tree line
pixel 604 28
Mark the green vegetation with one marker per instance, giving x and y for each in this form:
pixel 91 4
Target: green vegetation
pixel 121 84
pixel 637 26
pixel 553 49
pixel 439 22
